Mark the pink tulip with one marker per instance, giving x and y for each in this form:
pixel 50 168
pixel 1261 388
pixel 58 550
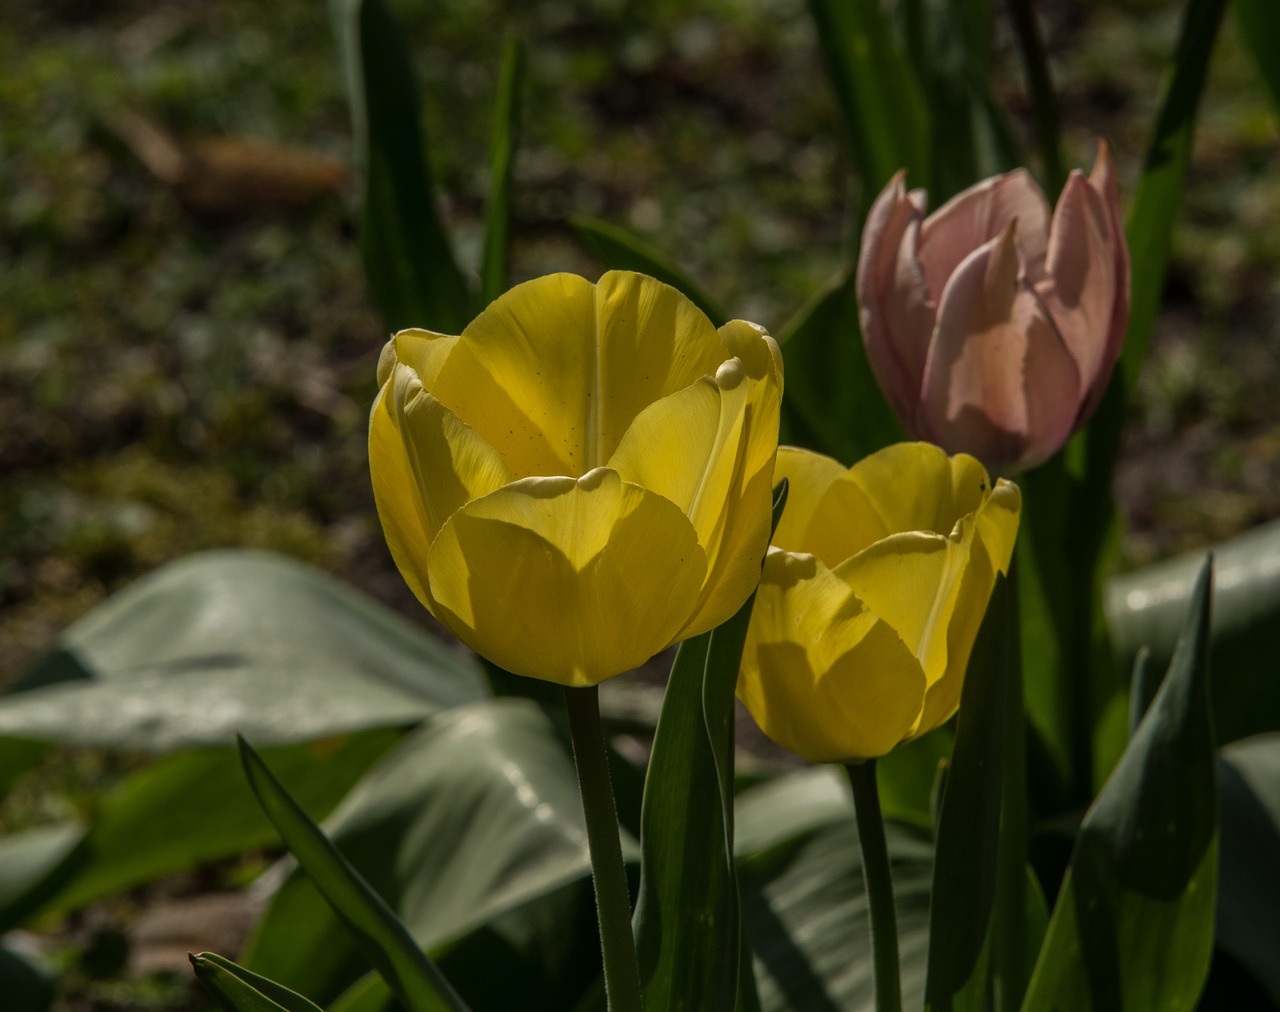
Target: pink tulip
pixel 992 330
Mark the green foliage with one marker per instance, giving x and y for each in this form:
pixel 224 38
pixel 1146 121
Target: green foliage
pixel 238 990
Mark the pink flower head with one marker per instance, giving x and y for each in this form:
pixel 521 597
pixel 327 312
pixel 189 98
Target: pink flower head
pixel 993 330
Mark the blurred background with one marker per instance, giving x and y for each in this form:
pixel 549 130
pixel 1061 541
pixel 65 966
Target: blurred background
pixel 187 348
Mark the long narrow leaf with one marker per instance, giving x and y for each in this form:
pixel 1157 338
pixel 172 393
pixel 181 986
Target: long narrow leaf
pixel 503 142
pixel 1260 28
pixel 385 941
pixel 965 859
pixel 1134 922
pixel 618 249
pixel 408 260
pixel 240 990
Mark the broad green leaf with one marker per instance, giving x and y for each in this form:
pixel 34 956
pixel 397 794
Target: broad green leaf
pixel 803 905
pixel 25 984
pixel 906 777
pixel 384 939
pixel 1133 924
pixel 236 641
pixel 504 138
pixel 885 117
pixel 968 838
pixel 618 249
pixel 368 994
pixel 1260 28
pixel 687 922
pixel 1145 609
pixel 1248 923
pixel 408 261
pixel 832 402
pixel 239 990
pixel 181 812
pixel 472 831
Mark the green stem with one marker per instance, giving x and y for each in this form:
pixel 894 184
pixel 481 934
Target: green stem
pixel 879 883
pixel 1043 104
pixel 608 875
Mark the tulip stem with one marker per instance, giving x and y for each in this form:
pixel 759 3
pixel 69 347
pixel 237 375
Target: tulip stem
pixel 608 875
pixel 879 884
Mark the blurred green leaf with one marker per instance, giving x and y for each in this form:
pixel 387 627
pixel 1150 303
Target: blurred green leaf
pixel 1155 202
pixel 1145 609
pixel 885 117
pixel 968 835
pixel 237 641
pixel 504 139
pixel 832 402
pixel 1133 924
pixel 384 939
pixel 803 905
pixel 157 822
pixel 472 831
pixel 906 777
pixel 1260 29
pixel 368 994
pixel 239 990
pixel 1248 922
pixel 408 261
pixel 620 250
pixel 27 986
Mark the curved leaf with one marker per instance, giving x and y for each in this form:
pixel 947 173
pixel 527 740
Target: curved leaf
pixel 241 991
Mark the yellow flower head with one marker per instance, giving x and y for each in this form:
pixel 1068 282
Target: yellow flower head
pixel 582 478
pixel 872 596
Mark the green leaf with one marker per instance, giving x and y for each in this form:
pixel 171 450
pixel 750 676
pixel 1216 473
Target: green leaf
pixel 969 838
pixel 885 117
pixel 803 905
pixel 1145 609
pixel 472 831
pixel 504 139
pixel 906 777
pixel 239 990
pixel 1155 203
pixel 179 813
pixel 618 249
pixel 27 985
pixel 1133 924
pixel 368 994
pixel 236 641
pixel 1259 22
pixel 832 402
pixel 379 932
pixel 408 261
pixel 1249 876
pixel 687 922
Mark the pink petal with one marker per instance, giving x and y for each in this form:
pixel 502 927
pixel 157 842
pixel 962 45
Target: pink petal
pixel 1079 290
pixel 895 311
pixel 999 383
pixel 1103 180
pixel 978 215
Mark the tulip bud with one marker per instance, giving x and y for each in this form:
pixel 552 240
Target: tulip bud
pixel 991 329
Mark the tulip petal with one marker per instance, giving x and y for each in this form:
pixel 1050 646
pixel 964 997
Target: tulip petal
pixel 553 373
pixel 395 493
pixel 573 581
pixel 1103 181
pixel 821 675
pixel 1000 383
pixel 978 215
pixel 808 475
pixel 451 465
pixel 895 308
pixel 912 581
pixel 423 351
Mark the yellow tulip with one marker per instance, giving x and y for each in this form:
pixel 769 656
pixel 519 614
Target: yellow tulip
pixel 582 478
pixel 871 597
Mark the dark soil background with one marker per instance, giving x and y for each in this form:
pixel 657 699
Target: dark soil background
pixel 187 352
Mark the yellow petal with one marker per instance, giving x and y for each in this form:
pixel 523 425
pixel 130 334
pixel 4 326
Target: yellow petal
pixel 821 675
pixel 553 372
pixel 395 492
pixel 573 581
pixel 809 475
pixel 450 463
pixel 423 351
pixel 912 582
